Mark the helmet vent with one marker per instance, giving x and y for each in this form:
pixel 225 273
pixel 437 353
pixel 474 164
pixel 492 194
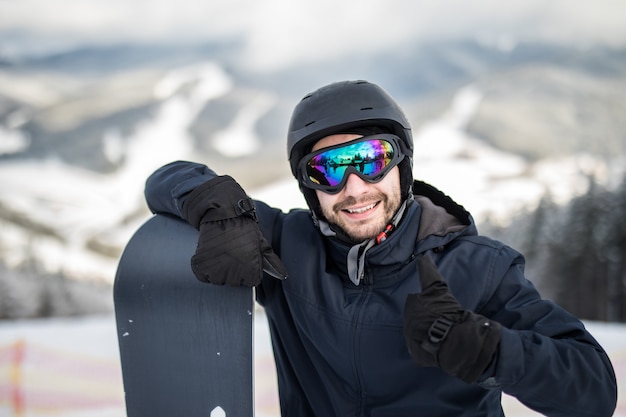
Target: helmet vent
pixel 367 108
pixel 309 124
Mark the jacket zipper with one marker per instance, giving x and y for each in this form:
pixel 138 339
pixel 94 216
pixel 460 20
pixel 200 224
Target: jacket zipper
pixel 356 345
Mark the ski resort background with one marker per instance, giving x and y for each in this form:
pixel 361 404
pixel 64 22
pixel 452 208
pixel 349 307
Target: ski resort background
pixel 96 98
pixel 70 367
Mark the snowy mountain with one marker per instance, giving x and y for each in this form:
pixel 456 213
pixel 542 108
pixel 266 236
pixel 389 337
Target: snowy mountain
pixel 80 131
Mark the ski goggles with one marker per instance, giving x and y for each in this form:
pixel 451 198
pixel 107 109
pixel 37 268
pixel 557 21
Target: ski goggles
pixel 369 157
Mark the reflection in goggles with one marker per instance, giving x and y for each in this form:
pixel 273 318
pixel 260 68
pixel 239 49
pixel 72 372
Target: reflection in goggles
pixel 368 157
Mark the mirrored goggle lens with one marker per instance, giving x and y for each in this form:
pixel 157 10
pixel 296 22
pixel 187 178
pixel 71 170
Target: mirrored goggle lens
pixel 369 157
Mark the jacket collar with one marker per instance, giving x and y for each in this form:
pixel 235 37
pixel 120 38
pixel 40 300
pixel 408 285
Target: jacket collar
pixel 432 222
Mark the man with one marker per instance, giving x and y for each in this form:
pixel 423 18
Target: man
pixel 393 305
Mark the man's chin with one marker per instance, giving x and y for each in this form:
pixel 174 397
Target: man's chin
pixel 361 233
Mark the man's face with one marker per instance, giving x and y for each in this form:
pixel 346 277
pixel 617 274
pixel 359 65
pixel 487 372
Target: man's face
pixel 361 209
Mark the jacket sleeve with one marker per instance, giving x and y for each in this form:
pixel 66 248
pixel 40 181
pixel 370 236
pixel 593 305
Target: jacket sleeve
pixel 168 187
pixel 546 358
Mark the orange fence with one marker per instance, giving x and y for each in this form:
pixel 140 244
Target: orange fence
pixel 38 380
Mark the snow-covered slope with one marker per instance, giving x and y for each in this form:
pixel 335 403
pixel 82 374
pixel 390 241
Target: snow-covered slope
pixel 79 208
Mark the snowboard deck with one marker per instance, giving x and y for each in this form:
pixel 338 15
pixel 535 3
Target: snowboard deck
pixel 186 347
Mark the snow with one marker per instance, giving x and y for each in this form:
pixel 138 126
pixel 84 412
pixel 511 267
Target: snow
pixel 491 183
pixel 13 141
pixel 78 359
pixel 239 138
pixel 79 205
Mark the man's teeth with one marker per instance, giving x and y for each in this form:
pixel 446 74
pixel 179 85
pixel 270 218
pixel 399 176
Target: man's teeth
pixel 362 209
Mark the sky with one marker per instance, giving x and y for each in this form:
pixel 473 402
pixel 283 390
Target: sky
pixel 279 32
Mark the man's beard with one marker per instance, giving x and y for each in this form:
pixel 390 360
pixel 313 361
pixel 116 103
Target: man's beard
pixel 365 231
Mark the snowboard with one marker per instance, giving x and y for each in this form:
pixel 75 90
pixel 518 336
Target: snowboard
pixel 185 346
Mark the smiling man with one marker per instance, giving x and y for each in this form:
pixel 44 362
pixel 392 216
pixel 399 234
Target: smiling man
pixel 394 305
pixel 360 207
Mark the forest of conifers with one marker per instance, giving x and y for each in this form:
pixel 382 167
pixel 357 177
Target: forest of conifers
pixel 576 253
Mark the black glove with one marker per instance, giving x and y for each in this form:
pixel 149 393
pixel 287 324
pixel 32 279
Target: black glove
pixel 231 249
pixel 439 332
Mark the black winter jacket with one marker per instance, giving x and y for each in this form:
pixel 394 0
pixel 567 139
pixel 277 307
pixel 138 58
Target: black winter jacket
pixel 339 347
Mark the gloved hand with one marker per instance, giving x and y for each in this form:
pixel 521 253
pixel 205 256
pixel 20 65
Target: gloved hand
pixel 231 249
pixel 439 332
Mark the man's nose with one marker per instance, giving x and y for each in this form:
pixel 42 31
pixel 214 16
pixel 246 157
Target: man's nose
pixel 355 185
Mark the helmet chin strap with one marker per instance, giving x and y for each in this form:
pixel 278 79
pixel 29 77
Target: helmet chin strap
pixel 382 236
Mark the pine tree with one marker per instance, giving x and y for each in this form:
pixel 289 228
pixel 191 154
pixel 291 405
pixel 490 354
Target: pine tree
pixel 582 265
pixel 616 254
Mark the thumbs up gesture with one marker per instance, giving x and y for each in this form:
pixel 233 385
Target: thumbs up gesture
pixel 440 332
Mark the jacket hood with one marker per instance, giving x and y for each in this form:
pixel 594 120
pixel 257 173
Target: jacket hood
pixel 441 217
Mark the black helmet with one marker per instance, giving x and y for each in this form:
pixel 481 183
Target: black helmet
pixel 342 107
